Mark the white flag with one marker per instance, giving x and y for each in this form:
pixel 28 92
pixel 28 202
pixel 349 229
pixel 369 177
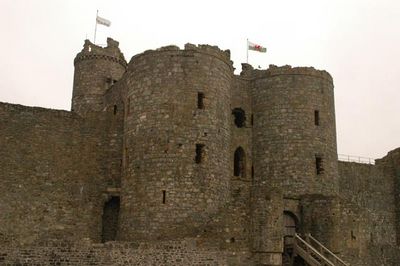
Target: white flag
pixel 103 21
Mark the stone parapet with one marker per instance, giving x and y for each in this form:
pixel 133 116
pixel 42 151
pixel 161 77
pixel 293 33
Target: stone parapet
pixel 10 107
pixel 249 72
pixel 208 50
pixel 110 53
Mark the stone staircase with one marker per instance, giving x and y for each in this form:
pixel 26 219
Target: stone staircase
pixel 313 252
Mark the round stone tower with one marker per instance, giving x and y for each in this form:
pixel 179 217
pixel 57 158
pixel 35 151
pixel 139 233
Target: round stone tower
pixel 96 69
pixel 177 137
pixel 294 135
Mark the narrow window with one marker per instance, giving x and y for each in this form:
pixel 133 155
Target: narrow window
pixel 252 172
pixel 110 219
pixel 353 237
pixel 239 116
pixel 199 153
pixel 252 119
pixel 200 100
pixel 128 106
pixel 319 164
pixel 239 164
pixel 126 157
pixel 316 117
pixel 164 194
pixel 111 81
pixel 115 109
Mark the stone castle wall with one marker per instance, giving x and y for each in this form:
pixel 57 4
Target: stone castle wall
pixel 114 107
pixel 182 162
pixel 238 214
pixel 368 214
pixel 114 253
pixel 50 177
pixel 56 170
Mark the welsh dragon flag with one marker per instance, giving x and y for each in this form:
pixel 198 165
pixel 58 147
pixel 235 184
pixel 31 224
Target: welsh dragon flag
pixel 256 47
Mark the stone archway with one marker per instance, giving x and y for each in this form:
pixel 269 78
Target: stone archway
pixel 290 228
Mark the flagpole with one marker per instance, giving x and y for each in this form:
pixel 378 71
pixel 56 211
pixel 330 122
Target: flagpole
pixel 95 28
pixel 247 51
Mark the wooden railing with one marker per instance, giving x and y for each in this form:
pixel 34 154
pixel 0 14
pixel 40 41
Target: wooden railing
pixel 314 253
pixel 325 251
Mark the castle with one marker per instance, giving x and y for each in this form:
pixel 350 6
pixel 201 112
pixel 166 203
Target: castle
pixel 173 159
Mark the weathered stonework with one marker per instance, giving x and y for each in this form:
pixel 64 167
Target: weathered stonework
pixel 174 160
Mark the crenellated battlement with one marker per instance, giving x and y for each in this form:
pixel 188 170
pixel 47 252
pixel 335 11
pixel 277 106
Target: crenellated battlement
pixel 96 69
pixel 249 72
pixel 274 70
pixel 210 50
pixel 92 51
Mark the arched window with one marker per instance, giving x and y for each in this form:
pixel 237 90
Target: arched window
pixel 239 163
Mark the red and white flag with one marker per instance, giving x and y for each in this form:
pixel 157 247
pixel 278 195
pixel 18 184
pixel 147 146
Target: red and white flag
pixel 256 47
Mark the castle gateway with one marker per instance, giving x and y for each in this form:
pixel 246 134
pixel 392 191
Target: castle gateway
pixel 173 159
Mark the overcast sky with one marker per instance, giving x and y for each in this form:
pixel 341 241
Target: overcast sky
pixel 356 41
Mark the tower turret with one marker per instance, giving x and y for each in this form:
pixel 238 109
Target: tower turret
pixel 294 149
pixel 294 130
pixel 177 136
pixel 96 69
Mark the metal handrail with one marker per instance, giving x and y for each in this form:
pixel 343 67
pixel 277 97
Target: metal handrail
pixel 327 250
pixel 316 252
pixel 355 159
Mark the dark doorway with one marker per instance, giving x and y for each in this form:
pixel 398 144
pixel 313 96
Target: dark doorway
pixel 290 228
pixel 110 220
